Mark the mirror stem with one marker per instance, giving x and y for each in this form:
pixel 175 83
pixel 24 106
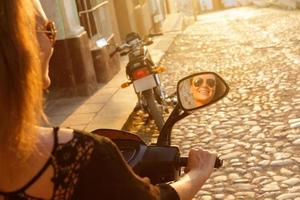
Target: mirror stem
pixel 164 138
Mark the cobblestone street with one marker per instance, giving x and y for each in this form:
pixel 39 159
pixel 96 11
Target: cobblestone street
pixel 256 128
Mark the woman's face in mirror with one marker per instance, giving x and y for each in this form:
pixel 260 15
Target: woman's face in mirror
pixel 203 88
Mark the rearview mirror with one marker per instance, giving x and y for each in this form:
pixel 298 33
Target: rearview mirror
pixel 200 89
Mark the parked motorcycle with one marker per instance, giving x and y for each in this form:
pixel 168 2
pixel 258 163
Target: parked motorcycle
pixel 161 162
pixel 144 75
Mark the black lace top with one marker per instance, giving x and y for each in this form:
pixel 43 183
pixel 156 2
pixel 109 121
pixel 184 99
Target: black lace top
pixel 91 167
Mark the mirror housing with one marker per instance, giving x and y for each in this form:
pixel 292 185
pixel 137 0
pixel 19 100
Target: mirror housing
pixel 186 100
pixel 200 89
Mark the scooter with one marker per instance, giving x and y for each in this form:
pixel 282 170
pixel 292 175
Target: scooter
pixel 161 162
pixel 144 75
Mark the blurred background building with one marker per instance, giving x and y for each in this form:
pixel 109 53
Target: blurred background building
pixel 89 30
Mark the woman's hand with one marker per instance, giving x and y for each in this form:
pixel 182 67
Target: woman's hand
pixel 201 162
pixel 199 168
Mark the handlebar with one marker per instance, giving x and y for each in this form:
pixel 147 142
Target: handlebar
pixel 184 160
pixel 128 46
pixel 155 34
pixel 120 49
pixel 113 53
pixel 124 53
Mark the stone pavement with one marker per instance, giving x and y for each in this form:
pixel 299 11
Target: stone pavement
pixel 110 106
pixel 256 128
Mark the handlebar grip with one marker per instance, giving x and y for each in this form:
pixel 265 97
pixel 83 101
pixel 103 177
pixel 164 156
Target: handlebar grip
pixel 118 49
pixel 184 160
pixel 155 34
pixel 112 54
pixel 123 53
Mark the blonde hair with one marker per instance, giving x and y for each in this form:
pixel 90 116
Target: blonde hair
pixel 20 77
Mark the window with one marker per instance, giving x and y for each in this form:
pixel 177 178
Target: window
pixel 94 16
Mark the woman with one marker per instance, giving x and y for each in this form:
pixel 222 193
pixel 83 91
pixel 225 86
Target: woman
pixel 45 163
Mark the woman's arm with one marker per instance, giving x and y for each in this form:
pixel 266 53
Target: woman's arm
pixel 108 176
pixel 200 166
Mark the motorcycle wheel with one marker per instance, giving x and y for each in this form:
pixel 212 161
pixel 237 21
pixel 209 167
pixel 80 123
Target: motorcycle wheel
pixel 153 109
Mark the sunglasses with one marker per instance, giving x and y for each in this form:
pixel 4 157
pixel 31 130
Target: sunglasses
pixel 50 31
pixel 199 81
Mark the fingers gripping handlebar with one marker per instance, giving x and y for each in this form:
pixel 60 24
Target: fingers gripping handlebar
pixel 184 160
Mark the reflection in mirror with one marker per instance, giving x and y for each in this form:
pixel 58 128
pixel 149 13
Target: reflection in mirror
pixel 201 89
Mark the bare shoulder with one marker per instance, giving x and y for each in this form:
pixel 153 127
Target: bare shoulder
pixel 64 134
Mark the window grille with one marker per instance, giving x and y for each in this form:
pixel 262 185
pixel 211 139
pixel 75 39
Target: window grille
pixel 95 17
